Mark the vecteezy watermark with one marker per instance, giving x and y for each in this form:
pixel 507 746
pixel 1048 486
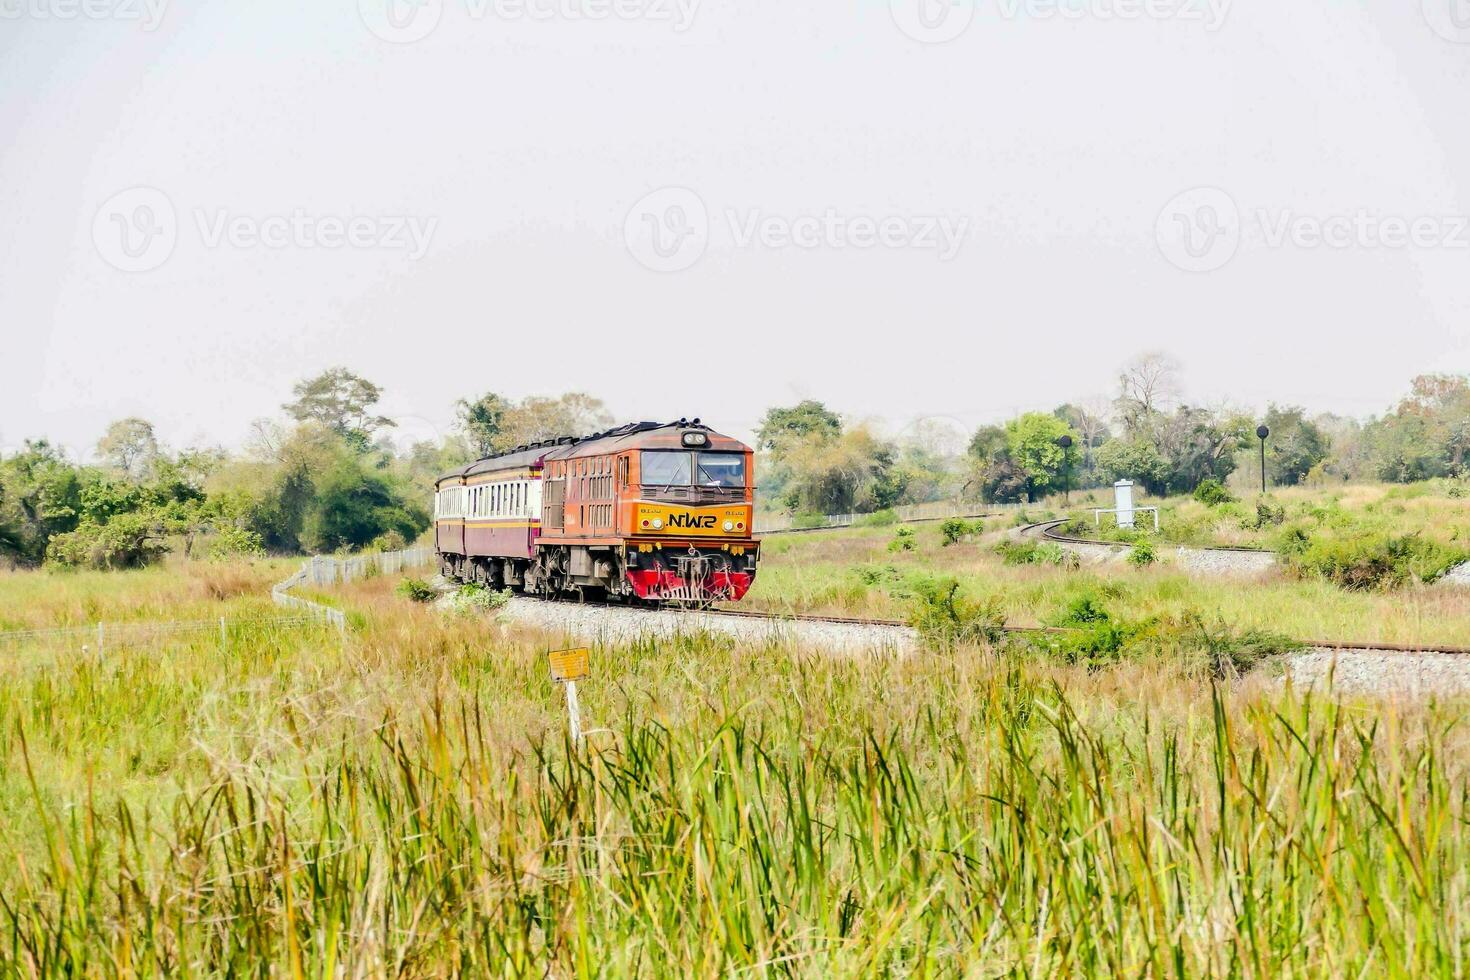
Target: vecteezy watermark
pixel 146 13
pixel 670 229
pixel 137 230
pixel 937 21
pixel 1202 229
pixel 407 21
pixel 1450 19
pixel 1199 230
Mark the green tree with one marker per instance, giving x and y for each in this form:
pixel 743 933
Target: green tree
pixel 341 401
pixel 537 419
pixel 353 506
pixel 786 426
pixel 40 497
pixel 1295 446
pixel 130 447
pixel 1137 460
pixel 482 421
pixel 1031 441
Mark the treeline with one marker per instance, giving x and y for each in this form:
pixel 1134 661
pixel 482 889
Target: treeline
pixel 324 479
pixel 815 463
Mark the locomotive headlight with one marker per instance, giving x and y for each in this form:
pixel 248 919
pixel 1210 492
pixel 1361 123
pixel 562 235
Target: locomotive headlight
pixel 729 526
pixel 658 522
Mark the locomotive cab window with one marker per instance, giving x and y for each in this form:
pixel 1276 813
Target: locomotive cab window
pixel 667 469
pixel 720 469
pixel 671 468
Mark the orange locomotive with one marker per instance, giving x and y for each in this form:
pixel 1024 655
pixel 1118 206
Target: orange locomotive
pixel 658 512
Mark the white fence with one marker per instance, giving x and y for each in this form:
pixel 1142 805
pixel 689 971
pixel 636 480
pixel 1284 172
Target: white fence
pixel 935 511
pixel 321 571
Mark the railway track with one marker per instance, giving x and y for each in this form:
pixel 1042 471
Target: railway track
pixel 1345 646
pixel 1047 531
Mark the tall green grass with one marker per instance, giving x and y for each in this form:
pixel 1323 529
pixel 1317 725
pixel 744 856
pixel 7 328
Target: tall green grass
pixel 1003 834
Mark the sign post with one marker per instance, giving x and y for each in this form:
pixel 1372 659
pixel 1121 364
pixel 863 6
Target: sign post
pixel 568 667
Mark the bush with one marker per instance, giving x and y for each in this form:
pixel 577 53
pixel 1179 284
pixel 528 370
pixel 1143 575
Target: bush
pixel 1212 493
pixel 1221 650
pixel 943 617
pixel 1372 561
pixel 235 542
pixel 955 529
pixel 416 590
pixel 1265 516
pixel 879 518
pixel 1026 552
pixel 475 598
pixel 904 539
pixel 807 522
pixel 1142 554
pixel 132 540
pixel 390 541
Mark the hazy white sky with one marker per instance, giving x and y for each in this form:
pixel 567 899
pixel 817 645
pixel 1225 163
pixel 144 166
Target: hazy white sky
pixel 706 207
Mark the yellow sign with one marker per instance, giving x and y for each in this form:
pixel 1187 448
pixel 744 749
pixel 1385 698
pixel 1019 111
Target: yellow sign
pixel 707 522
pixel 569 665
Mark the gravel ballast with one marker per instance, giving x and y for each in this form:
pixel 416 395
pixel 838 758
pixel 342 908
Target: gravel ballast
pixel 610 624
pixel 1381 672
pixel 1378 673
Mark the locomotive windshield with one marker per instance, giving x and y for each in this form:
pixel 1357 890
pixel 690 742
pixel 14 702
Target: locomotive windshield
pixel 664 468
pixel 720 470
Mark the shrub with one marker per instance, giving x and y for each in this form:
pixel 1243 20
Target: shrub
pixel 1026 552
pixel 475 598
pixel 1264 517
pixel 1372 561
pixel 877 574
pixel 416 590
pixel 1212 493
pixel 1084 609
pixel 131 540
pixel 235 542
pixel 1220 649
pixel 879 518
pixel 955 529
pixel 807 522
pixel 390 541
pixel 904 539
pixel 1142 554
pixel 944 617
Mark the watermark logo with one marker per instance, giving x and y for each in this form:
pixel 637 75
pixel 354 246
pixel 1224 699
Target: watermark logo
pixel 1199 230
pixel 146 13
pixel 401 21
pixel 407 21
pixel 938 21
pixel 670 229
pixel 933 21
pixel 1202 229
pixel 136 230
pixel 1450 19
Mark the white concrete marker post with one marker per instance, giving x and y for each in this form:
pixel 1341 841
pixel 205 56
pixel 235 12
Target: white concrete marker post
pixel 568 667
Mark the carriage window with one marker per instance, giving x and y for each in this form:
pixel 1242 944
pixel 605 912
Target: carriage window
pixel 667 469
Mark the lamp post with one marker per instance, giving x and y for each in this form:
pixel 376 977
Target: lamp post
pixel 1261 433
pixel 1066 443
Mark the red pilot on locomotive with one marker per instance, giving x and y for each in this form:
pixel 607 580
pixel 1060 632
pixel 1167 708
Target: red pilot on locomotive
pixel 645 512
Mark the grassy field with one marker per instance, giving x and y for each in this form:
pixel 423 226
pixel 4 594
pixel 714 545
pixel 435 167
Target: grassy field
pixel 854 572
pixel 1437 511
pixel 403 800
